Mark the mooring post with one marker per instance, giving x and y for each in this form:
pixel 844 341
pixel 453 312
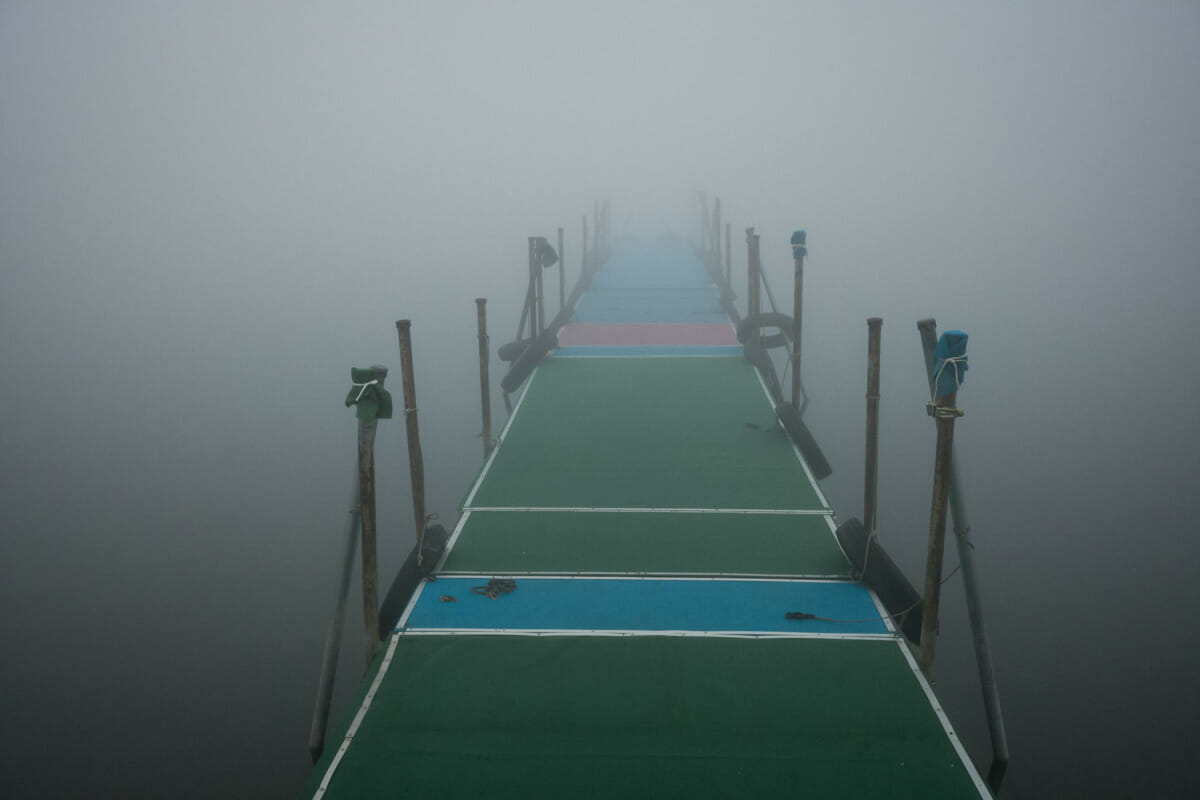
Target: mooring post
pixel 416 465
pixel 562 273
pixel 714 240
pixel 799 249
pixel 372 403
pixel 752 281
pixel 728 257
pixel 951 353
pixel 485 394
pixel 871 478
pixel 966 558
pixel 535 265
pixel 583 254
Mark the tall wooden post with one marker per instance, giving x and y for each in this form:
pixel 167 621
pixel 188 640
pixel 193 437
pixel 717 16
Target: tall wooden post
pixel 871 478
pixel 728 257
pixel 714 243
pixel 966 558
pixel 416 465
pixel 943 410
pixel 485 395
pixel 583 254
pixel 538 269
pixel 799 249
pixel 752 279
pixel 562 273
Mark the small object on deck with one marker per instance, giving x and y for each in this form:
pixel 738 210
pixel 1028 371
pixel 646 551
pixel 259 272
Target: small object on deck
pixel 448 598
pixel 799 615
pixel 495 587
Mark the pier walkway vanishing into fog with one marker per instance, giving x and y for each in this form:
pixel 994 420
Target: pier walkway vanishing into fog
pixel 610 616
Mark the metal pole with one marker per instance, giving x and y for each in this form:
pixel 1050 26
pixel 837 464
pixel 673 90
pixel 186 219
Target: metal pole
pixel 562 276
pixel 416 465
pixel 485 397
pixel 366 503
pixel 333 638
pixel 871 478
pixel 797 311
pixel 944 412
pixel 966 558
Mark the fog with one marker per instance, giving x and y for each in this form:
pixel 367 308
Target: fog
pixel 210 211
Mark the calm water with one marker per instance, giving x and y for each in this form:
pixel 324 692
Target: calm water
pixel 171 547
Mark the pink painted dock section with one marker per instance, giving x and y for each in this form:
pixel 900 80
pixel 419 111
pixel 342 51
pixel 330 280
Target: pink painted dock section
pixel 645 335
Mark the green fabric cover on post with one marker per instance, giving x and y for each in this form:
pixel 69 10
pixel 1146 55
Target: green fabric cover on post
pixel 372 401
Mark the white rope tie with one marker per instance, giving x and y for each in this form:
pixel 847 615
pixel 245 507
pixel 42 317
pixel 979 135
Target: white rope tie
pixel 956 361
pixel 363 389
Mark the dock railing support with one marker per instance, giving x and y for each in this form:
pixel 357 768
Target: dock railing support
pixel 333 637
pixel 966 558
pixel 485 393
pixel 871 476
pixel 416 464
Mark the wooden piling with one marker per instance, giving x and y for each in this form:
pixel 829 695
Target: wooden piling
pixel 797 313
pixel 714 242
pixel 966 558
pixel 944 413
pixel 485 395
pixel 535 264
pixel 366 504
pixel 728 257
pixel 416 464
pixel 562 273
pixel 871 476
pixel 753 299
pixel 583 254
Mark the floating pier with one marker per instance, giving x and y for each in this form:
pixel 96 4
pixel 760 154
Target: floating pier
pixel 644 594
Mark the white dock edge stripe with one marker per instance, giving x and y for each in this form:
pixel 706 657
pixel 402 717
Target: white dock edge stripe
pixel 816 512
pixel 358 718
pixel 968 764
pixel 795 450
pixel 583 632
pixel 484 576
pixel 500 440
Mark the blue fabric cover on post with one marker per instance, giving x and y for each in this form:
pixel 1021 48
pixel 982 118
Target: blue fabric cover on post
pixel 799 244
pixel 950 368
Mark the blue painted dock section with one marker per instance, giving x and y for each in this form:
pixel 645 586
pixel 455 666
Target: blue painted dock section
pixel 647 604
